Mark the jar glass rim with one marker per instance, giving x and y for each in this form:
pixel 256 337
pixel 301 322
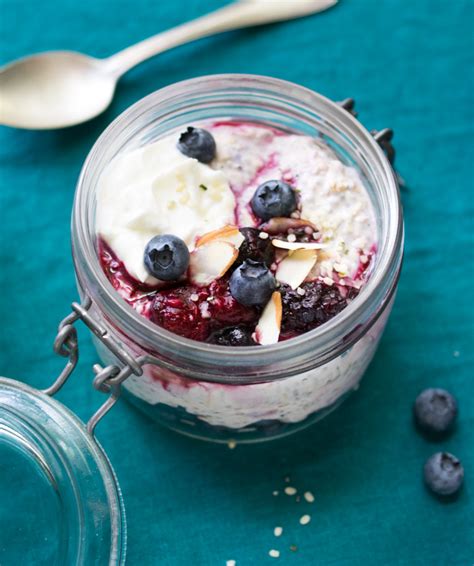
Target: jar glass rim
pixel 323 340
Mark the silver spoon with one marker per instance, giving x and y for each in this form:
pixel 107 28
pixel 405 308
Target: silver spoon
pixel 63 88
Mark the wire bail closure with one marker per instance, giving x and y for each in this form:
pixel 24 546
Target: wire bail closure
pixel 107 379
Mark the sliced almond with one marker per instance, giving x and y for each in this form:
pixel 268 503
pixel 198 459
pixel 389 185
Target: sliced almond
pixel 211 261
pixel 283 244
pixel 281 224
pixel 295 267
pixel 268 327
pixel 229 234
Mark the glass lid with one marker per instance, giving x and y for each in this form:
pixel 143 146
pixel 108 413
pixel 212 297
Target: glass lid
pixel 60 500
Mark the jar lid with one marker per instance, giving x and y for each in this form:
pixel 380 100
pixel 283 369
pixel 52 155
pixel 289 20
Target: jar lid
pixel 60 500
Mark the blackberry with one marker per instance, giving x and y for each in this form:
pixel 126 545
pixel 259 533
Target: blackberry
pixel 232 336
pixel 255 248
pixel 319 304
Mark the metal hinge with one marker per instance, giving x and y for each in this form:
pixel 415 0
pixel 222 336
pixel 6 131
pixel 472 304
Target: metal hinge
pixel 107 379
pixel 349 105
pixel 382 137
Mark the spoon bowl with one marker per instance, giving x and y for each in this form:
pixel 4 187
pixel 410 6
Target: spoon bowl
pixel 57 89
pixel 54 90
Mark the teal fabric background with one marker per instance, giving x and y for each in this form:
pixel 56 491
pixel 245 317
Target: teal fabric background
pixel 409 66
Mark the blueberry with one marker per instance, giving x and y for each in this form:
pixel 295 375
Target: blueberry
pixel 197 143
pixel 233 336
pixel 252 283
pixel 166 257
pixel 273 198
pixel 443 473
pixel 435 410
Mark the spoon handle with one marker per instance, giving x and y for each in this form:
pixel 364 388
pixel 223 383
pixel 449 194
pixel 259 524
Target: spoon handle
pixel 240 14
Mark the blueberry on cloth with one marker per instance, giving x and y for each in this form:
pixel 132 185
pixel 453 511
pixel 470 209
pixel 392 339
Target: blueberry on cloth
pixel 435 410
pixel 273 199
pixel 166 257
pixel 444 473
pixel 197 143
pixel 252 283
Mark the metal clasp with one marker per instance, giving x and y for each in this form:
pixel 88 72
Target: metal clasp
pixel 349 105
pixel 107 379
pixel 382 137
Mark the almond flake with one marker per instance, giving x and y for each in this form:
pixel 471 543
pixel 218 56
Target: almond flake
pixel 309 496
pixel 269 324
pixel 280 224
pixel 294 269
pixel 292 245
pixel 305 519
pixel 211 261
pixel 229 234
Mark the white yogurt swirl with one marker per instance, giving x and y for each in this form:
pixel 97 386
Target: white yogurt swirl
pixel 157 190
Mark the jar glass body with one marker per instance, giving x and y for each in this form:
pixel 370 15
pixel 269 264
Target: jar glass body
pixel 252 393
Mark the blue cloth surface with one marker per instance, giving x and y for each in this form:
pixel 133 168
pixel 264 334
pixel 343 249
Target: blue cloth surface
pixel 409 66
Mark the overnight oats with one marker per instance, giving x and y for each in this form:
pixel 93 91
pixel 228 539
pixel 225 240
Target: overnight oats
pixel 262 236
pixel 237 244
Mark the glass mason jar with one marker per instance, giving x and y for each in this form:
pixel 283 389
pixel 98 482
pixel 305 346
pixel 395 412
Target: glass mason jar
pixel 248 393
